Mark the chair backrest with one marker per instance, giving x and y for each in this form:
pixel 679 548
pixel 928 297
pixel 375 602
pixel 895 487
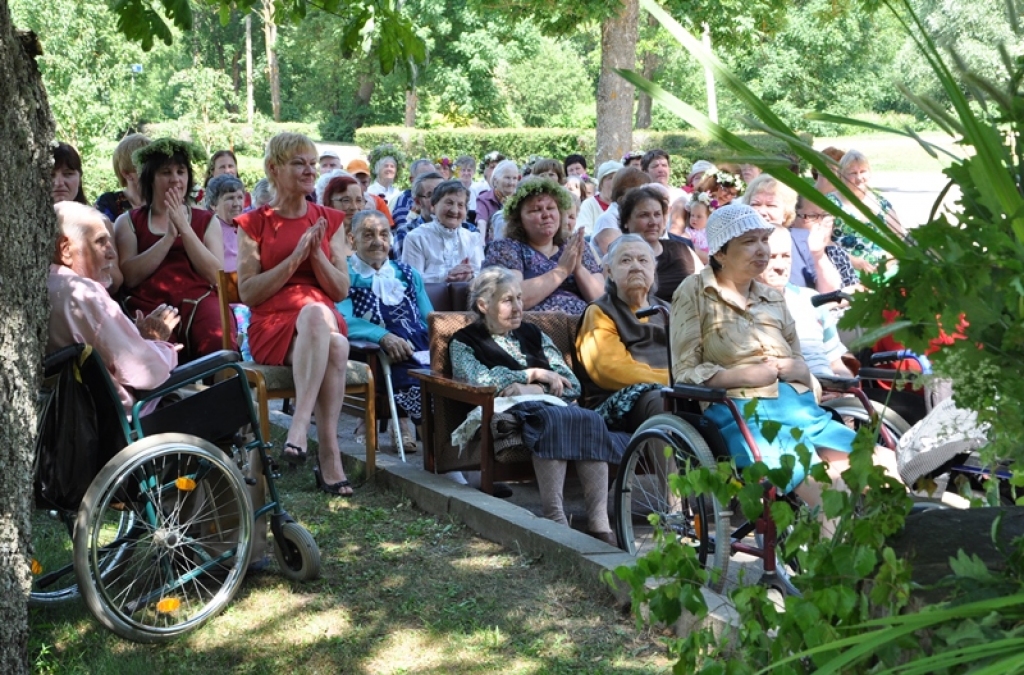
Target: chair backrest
pixel 438 294
pixel 227 289
pixel 458 296
pixel 560 327
pixel 448 297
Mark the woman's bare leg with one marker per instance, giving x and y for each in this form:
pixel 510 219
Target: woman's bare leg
pixel 309 356
pixel 328 411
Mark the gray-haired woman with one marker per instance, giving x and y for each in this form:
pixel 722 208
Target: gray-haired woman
pixel 225 196
pixel 444 250
pixel 625 357
pixel 519 359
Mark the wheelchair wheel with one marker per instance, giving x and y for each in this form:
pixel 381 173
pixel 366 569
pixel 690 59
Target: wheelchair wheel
pixel 297 553
pixel 53 569
pixel 641 491
pixel 186 552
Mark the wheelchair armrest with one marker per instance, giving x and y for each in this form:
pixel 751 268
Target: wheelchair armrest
pixel 364 346
pixel 459 390
pixel 194 370
pixel 887 374
pixel 696 392
pixel 839 384
pixel 53 362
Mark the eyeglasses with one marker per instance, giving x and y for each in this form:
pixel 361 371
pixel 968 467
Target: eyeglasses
pixel 347 200
pixel 816 217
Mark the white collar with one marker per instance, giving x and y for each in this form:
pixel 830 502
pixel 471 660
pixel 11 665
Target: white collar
pixel 385 284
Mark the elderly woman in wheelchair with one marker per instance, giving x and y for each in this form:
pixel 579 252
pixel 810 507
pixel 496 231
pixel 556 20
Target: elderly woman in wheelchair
pixel 732 332
pixel 735 348
pixel 161 519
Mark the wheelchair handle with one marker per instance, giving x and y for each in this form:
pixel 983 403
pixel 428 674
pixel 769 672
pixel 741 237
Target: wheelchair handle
pixel 651 311
pixel 879 358
pixel 834 296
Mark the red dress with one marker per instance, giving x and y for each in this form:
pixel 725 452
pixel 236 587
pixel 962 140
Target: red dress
pixel 177 283
pixel 273 321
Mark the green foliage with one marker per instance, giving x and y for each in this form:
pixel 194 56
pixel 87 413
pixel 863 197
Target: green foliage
pixel 144 22
pixel 86 68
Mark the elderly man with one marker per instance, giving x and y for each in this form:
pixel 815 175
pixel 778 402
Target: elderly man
pixel 656 164
pixel 422 191
pixel 401 204
pixel 137 354
pixel 387 304
pixel 329 161
pixel 815 326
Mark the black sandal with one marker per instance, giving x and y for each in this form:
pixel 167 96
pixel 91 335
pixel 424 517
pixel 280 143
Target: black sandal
pixel 293 458
pixel 334 489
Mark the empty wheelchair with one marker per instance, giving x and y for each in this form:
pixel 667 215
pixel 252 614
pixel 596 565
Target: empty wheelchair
pixel 149 518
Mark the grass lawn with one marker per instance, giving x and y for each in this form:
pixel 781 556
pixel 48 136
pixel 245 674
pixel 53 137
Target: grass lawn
pixel 400 592
pixel 892 153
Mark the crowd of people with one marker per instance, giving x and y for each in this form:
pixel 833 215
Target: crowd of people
pixel 325 252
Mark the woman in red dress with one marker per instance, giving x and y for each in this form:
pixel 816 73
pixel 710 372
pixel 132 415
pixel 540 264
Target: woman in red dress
pixel 169 256
pixel 291 272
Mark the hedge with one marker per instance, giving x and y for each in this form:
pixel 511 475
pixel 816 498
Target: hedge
pixel 684 147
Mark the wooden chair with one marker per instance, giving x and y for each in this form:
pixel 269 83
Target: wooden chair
pixel 275 382
pixel 447 401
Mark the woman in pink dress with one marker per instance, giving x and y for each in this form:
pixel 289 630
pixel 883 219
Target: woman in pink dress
pixel 291 271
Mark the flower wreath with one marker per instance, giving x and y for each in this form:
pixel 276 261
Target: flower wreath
pixel 702 198
pixel 167 147
pixel 387 150
pixel 726 179
pixel 533 186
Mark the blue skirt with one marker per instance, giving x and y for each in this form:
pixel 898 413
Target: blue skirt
pixel 818 429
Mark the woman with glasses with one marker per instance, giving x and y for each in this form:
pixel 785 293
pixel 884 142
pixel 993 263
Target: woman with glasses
pixel 855 172
pixel 344 194
pixel 775 202
pixel 291 272
pixel 818 224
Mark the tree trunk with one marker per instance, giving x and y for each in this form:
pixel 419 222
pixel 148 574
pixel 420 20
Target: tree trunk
pixel 250 101
pixel 364 93
pixel 274 74
pixel 27 231
pixel 614 94
pixel 411 99
pixel 650 64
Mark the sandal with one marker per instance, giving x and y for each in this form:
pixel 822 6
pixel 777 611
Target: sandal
pixel 293 458
pixel 334 489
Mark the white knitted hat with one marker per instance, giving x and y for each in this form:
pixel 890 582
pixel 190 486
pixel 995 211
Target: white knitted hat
pixel 700 166
pixel 609 167
pixel 729 222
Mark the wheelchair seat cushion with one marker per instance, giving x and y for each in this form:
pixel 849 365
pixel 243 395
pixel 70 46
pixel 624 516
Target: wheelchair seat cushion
pixel 796 415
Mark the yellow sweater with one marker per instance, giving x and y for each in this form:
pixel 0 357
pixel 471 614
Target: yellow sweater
pixel 605 357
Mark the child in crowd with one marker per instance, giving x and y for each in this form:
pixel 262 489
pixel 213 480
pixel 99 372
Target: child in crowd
pixel 695 218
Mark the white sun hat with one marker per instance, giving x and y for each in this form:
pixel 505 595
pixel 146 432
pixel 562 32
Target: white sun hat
pixel 729 222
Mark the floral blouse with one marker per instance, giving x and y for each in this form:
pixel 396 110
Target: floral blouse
pixel 853 243
pixel 524 258
pixel 466 366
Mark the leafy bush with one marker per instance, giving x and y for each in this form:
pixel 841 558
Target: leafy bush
pixel 236 136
